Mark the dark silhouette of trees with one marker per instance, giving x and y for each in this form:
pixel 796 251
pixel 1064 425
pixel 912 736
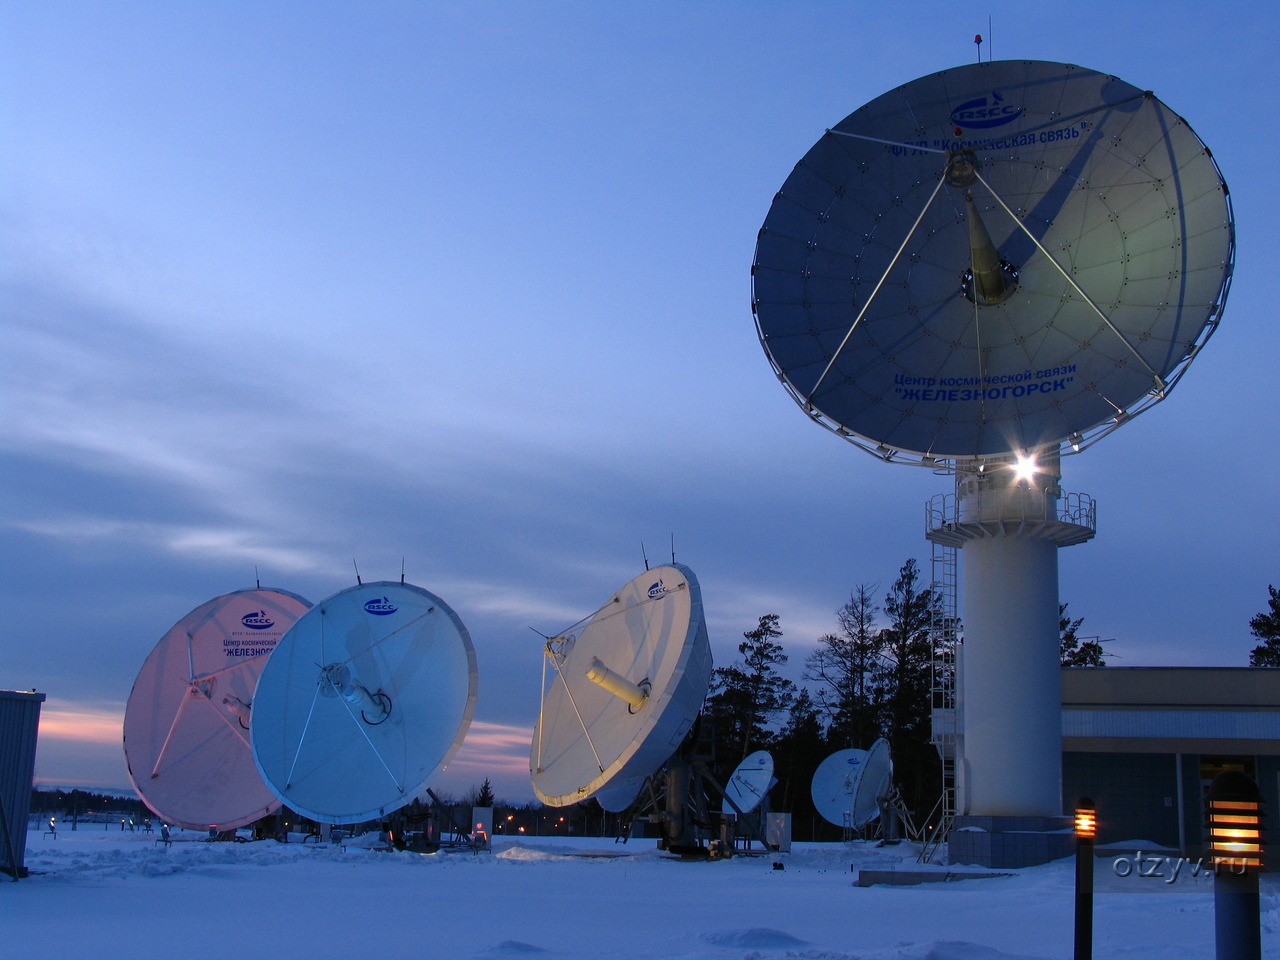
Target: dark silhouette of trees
pixel 1077 652
pixel 747 695
pixel 845 665
pixel 903 687
pixel 1266 627
pixel 799 748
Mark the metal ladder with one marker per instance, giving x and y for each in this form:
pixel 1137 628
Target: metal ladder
pixel 944 634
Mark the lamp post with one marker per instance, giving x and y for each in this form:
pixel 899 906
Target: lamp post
pixel 1086 831
pixel 1235 848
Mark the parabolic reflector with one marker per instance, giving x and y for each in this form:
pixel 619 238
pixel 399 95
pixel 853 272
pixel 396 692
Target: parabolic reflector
pixel 186 725
pixel 750 782
pixel 992 259
pixel 622 691
pixel 366 700
pixel 877 774
pixel 835 784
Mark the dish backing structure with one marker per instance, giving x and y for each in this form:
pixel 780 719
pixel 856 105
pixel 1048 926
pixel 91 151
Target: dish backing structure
pixel 977 272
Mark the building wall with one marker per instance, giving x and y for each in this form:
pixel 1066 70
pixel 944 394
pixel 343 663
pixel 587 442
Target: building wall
pixel 1136 794
pixel 19 721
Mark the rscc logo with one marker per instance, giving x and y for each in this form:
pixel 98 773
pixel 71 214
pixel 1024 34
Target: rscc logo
pixel 381 608
pixel 257 621
pixel 985 113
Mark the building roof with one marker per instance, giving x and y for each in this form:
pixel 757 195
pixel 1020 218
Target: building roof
pixel 1204 710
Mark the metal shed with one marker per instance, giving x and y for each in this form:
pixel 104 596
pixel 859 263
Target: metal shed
pixel 19 721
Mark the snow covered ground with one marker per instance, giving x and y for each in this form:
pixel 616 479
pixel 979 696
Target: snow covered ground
pixel 105 894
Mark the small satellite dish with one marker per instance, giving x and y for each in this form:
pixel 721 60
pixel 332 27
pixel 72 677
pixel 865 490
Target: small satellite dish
pixel 366 700
pixel 835 783
pixel 998 258
pixel 877 775
pixel 625 689
pixel 750 782
pixel 187 722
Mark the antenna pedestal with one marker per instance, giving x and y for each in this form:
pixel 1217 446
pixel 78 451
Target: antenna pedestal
pixel 1009 523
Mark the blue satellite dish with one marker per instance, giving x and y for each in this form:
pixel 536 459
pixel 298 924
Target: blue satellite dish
pixel 364 702
pixel 998 258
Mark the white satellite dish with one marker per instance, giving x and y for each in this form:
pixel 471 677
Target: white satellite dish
pixel 835 783
pixel 366 700
pixel 873 785
pixel 625 689
pixel 752 779
pixel 187 722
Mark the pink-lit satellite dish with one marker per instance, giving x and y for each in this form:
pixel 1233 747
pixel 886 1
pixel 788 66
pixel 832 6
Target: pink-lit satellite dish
pixel 621 691
pixel 364 703
pixel 752 779
pixel 186 725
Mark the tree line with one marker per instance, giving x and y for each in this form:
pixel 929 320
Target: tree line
pixel 872 677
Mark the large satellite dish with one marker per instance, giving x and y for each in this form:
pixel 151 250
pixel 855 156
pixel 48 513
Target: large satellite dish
pixel 749 783
pixel 367 698
pixel 625 688
pixel 186 725
pixel 996 258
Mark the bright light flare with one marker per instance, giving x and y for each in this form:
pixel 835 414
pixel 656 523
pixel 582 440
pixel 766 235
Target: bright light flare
pixel 1086 819
pixel 1025 468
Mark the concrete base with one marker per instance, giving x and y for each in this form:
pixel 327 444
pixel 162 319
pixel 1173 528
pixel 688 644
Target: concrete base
pixel 1010 842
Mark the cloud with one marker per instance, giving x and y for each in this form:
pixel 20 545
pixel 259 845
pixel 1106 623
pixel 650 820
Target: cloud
pixel 101 723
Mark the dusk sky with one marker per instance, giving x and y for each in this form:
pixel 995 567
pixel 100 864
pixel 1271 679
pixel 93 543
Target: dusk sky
pixel 286 285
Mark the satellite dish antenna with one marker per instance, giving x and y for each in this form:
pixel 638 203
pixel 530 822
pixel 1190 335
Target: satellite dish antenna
pixel 979 271
pixel 625 688
pixel 835 784
pixel 873 785
pixel 187 722
pixel 366 700
pixel 1000 258
pixel 750 782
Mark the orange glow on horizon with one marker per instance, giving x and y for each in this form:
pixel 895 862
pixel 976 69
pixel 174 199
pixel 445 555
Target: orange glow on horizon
pixel 66 720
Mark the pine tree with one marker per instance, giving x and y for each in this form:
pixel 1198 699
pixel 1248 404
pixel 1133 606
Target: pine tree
pixel 1266 627
pixel 746 697
pixel 484 797
pixel 846 664
pixel 904 686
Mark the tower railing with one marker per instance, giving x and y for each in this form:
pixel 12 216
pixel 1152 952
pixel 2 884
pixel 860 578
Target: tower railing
pixel 952 519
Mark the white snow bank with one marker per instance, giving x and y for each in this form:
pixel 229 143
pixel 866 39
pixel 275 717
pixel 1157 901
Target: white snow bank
pixel 114 896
